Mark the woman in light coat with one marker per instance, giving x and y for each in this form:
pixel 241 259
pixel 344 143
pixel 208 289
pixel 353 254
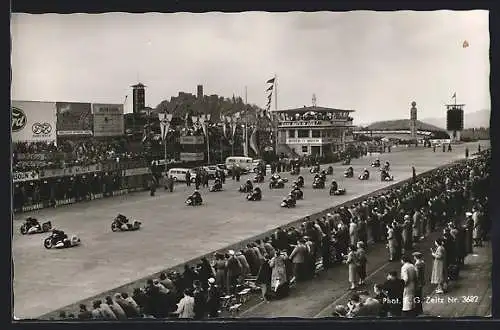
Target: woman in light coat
pixel 438 276
pixel 391 243
pixel 278 271
pixel 352 263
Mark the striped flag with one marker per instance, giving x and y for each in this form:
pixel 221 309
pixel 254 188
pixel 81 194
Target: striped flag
pixel 270 88
pixel 454 96
pixel 271 81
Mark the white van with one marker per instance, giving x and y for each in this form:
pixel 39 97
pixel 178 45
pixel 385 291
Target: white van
pixel 179 174
pixel 245 163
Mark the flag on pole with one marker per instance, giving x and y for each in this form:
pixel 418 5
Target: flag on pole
pixel 271 81
pixel 270 88
pixel 253 141
pixel 465 44
pixel 454 96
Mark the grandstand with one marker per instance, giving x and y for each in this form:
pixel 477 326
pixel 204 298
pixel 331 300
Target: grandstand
pixel 400 130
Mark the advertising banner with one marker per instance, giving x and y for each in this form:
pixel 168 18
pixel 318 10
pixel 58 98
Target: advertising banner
pixel 191 156
pixel 74 118
pixel 24 176
pixel 108 119
pixel 192 139
pixel 33 121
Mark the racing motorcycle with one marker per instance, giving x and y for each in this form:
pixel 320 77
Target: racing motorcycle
pixel 314 169
pixel 349 173
pixel 364 176
pixel 329 170
pixel 217 186
pixel 118 225
pixel 385 176
pixel 300 182
pixel 259 178
pixel 297 193
pixel 246 188
pixel 288 202
pixel 51 242
pixel 318 183
pixel 30 228
pixel 386 167
pixel 375 163
pixel 337 192
pixel 194 200
pixel 255 195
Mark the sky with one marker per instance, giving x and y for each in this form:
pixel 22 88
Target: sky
pixel 375 63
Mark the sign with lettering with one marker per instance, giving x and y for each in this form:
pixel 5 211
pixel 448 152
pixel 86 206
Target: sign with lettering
pixel 74 118
pixel 137 171
pixel 108 119
pixel 304 141
pixel 24 176
pixel 195 139
pixel 33 121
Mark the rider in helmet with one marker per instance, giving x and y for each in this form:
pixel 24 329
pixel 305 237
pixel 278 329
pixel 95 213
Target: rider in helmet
pixel 218 183
pixel 257 193
pixel 350 170
pixel 334 186
pixel 58 235
pixel 249 185
pixel 196 196
pixel 32 222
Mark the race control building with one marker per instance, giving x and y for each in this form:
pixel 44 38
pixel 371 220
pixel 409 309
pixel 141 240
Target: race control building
pixel 313 130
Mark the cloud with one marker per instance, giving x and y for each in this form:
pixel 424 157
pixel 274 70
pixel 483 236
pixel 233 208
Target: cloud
pixel 373 62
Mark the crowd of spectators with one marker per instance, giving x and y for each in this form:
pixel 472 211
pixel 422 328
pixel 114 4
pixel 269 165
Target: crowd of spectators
pixel 42 155
pixel 398 218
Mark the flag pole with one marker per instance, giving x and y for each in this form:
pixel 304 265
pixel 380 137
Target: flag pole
pixel 275 112
pixel 246 125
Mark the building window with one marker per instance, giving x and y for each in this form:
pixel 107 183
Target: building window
pixel 316 133
pixel 303 133
pixel 291 133
pixel 304 149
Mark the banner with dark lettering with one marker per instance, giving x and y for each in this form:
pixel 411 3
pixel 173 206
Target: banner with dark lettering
pixel 33 121
pixel 108 119
pixel 74 119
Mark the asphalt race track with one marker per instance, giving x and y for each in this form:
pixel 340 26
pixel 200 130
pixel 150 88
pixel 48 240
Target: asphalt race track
pixel 172 232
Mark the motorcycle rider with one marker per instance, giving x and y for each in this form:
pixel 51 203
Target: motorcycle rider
pixel 289 200
pixel 32 222
pixel 376 162
pixel 387 166
pixel 196 197
pixel 366 174
pixel 248 186
pixel 334 186
pixel 58 235
pixel 217 184
pixel 259 177
pixel 296 191
pixel 122 221
pixel 350 171
pixel 256 194
pixel 300 181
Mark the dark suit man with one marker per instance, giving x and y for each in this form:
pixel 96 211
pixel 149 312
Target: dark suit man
pixel 299 257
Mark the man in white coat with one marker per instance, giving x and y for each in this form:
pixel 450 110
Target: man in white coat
pixel 409 276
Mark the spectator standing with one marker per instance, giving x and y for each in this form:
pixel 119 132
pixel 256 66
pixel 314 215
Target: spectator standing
pixel 185 307
pixel 438 266
pixel 213 299
pixel 116 308
pixel 409 276
pixel 361 262
pixel 352 262
pixel 394 288
pixel 264 279
pixel 298 258
pixel 84 314
pixel 420 282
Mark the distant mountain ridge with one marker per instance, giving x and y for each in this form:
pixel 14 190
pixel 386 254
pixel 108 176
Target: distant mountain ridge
pixel 401 124
pixel 476 119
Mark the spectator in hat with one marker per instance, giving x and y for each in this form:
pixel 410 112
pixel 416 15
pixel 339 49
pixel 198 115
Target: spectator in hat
pixel 299 257
pixel 264 278
pixel 438 276
pixel 116 308
pixel 97 312
pixel 409 276
pixel 84 314
pixel 419 264
pixel 233 271
pixel 213 299
pixel 352 263
pixel 361 262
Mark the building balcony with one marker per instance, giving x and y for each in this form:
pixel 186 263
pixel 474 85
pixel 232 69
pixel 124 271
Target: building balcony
pixel 305 141
pixel 315 123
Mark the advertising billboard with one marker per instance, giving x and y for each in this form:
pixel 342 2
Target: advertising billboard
pixel 33 121
pixel 191 156
pixel 192 139
pixel 108 119
pixel 74 118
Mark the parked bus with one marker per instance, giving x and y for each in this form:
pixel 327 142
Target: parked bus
pixel 245 163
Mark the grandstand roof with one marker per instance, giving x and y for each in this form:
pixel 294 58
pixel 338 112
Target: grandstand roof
pixel 402 124
pixel 313 108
